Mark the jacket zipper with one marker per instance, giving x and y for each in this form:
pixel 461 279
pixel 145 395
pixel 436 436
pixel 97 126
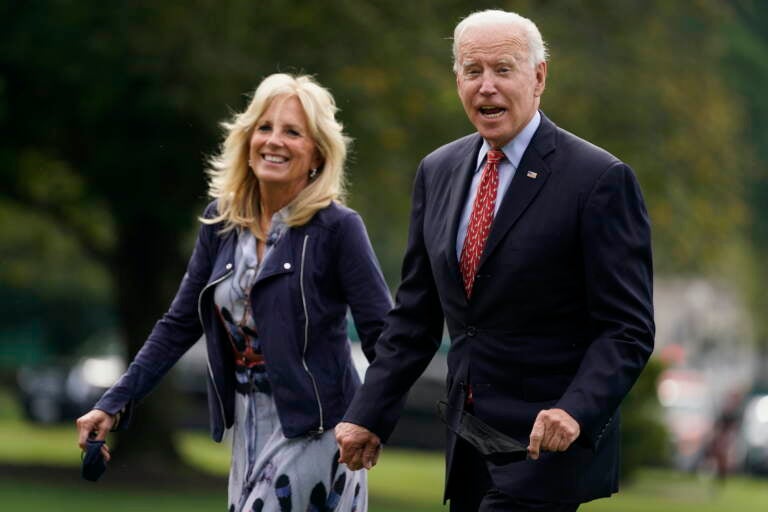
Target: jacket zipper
pixel 208 362
pixel 306 335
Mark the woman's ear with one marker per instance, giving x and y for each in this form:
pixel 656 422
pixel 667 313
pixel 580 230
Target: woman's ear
pixel 318 162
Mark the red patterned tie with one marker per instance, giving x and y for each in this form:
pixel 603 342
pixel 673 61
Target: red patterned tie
pixel 480 220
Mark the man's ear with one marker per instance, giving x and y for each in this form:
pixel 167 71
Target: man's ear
pixel 541 78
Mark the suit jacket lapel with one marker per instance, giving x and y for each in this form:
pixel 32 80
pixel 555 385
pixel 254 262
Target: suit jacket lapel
pixel 461 177
pixel 531 175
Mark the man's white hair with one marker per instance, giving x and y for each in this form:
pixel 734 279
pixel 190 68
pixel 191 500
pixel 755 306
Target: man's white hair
pixel 537 50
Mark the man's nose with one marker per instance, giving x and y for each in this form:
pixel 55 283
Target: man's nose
pixel 488 84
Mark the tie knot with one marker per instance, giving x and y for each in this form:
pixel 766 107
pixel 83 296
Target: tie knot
pixel 495 156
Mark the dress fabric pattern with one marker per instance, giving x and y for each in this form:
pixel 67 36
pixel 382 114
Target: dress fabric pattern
pixel 269 472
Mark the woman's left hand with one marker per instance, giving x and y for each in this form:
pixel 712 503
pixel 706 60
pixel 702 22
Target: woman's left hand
pixel 94 425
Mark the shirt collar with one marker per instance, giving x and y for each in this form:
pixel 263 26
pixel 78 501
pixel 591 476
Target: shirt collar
pixel 515 148
pixel 278 225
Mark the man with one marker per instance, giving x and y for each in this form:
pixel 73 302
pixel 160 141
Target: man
pixel 534 246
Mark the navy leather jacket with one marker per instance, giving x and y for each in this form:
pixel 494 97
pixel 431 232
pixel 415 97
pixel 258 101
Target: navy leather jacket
pixel 299 301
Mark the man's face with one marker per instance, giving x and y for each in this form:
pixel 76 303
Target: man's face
pixel 497 84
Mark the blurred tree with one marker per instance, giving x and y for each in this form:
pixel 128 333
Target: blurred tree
pixel 746 71
pixel 644 439
pixel 41 266
pixel 639 78
pixel 104 120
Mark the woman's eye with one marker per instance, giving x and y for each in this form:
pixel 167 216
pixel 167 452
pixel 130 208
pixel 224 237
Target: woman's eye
pixel 264 128
pixel 294 133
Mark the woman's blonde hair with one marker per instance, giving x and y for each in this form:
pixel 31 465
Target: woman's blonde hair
pixel 234 185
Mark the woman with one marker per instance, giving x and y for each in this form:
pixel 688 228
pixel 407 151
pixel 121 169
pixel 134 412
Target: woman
pixel 276 264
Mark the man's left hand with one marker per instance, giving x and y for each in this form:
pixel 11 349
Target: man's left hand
pixel 554 431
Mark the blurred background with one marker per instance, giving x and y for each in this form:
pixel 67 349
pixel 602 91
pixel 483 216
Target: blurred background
pixel 108 112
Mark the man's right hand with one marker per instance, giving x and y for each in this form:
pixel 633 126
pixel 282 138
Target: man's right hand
pixel 358 447
pixel 554 431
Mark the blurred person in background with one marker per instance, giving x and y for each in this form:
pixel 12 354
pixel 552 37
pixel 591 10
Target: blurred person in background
pixel 720 449
pixel 277 262
pixel 534 246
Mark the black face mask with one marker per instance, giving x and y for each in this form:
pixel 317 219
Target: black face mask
pixel 497 447
pixel 93 461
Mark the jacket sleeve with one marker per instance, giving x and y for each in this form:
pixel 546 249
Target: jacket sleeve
pixel 171 337
pixel 363 284
pixel 616 245
pixel 411 336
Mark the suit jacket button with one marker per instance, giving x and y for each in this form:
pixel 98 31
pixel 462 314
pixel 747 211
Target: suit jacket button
pixel 471 331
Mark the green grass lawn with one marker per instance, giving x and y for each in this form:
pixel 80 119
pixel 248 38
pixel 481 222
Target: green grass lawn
pixel 403 481
pixel 81 497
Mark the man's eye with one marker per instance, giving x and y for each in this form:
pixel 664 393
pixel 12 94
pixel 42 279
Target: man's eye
pixel 504 69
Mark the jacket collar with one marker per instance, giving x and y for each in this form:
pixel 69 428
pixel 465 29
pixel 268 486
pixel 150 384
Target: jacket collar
pixel 280 261
pixel 282 257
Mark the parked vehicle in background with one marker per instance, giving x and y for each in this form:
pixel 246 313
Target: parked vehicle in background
pixel 63 391
pixel 754 432
pixel 66 389
pixel 57 392
pixel 689 413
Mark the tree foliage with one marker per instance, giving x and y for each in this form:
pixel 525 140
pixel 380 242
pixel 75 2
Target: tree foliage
pixel 644 440
pixel 640 79
pixel 746 72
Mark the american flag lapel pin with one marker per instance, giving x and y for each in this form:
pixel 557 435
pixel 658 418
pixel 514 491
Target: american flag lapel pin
pixel 532 174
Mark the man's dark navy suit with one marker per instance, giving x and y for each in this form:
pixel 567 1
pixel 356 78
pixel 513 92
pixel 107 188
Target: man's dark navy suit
pixel 561 313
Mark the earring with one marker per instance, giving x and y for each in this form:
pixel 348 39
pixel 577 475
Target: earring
pixel 313 173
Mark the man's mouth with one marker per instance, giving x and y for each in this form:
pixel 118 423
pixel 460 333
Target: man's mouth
pixel 275 159
pixel 491 112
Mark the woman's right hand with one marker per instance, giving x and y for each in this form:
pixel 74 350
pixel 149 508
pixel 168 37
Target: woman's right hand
pixel 94 425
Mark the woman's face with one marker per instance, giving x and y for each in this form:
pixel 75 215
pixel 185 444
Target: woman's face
pixel 282 152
